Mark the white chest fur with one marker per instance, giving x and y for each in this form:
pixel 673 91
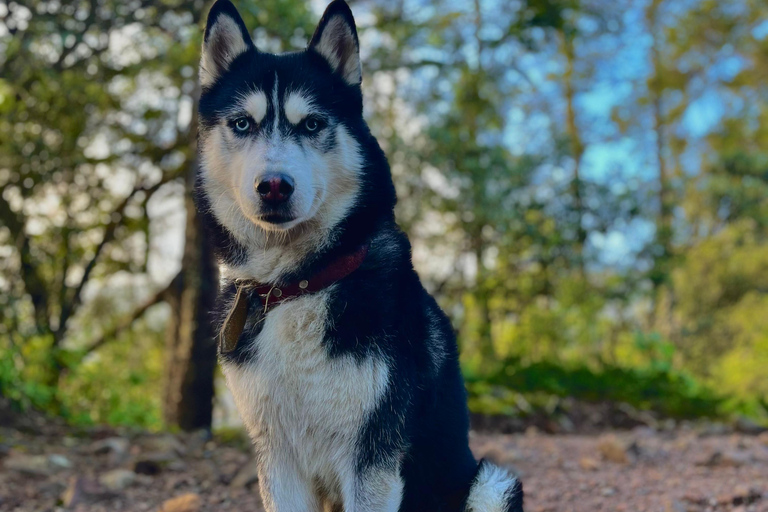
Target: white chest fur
pixel 295 401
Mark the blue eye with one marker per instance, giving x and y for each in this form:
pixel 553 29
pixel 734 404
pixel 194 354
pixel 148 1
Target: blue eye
pixel 242 124
pixel 311 125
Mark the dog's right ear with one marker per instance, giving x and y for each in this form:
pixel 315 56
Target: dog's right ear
pixel 336 41
pixel 225 38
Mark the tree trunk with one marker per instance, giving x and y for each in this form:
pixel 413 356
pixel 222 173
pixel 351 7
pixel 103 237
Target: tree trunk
pixel 577 146
pixel 656 90
pixel 661 308
pixel 190 345
pixel 485 347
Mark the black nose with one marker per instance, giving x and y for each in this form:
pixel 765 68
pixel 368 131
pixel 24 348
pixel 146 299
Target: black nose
pixel 275 189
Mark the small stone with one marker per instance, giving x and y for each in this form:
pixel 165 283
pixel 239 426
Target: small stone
pixel 740 495
pixel 167 445
pixel 28 464
pixel 69 442
pixel 669 425
pixel 154 463
pixel 49 488
pixel 59 462
pixel 176 465
pixel 728 459
pixel 117 479
pixel 531 431
pixel 589 464
pixel 565 424
pixel 645 432
pixel 677 506
pixel 81 491
pixel 147 467
pixel 37 465
pixel 184 503
pixel 608 491
pixel 697 499
pixel 612 449
pixel 711 459
pixel 711 429
pixel 114 446
pixel 747 426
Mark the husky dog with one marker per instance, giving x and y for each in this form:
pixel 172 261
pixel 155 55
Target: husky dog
pixel 344 370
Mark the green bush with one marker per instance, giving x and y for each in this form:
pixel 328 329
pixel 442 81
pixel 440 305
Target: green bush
pixel 662 390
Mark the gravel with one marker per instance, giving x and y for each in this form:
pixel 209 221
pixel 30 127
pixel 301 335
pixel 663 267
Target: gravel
pixel 682 470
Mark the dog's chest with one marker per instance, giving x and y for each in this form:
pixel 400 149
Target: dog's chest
pixel 293 397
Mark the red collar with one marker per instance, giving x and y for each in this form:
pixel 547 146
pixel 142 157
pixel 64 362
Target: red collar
pixel 338 269
pixel 272 295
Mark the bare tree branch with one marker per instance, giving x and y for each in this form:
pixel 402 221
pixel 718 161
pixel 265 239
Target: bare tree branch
pixel 89 21
pixel 33 281
pixel 125 324
pixel 116 218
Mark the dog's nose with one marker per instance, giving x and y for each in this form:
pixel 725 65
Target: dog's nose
pixel 275 189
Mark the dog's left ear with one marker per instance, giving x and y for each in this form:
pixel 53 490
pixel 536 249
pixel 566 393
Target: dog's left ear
pixel 336 41
pixel 225 38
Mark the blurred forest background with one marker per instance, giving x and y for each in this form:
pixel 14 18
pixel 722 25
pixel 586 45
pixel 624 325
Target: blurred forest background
pixel 585 183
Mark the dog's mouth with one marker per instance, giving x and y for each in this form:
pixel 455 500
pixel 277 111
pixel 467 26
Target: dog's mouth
pixel 276 218
pixel 283 217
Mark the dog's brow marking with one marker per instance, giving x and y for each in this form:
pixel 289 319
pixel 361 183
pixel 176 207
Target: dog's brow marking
pixel 276 107
pixel 256 105
pixel 297 107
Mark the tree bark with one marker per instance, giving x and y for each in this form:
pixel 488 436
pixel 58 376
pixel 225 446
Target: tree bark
pixel 656 89
pixel 577 146
pixel 660 316
pixel 190 347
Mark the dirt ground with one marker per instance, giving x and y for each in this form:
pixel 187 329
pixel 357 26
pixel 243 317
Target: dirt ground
pixel 643 469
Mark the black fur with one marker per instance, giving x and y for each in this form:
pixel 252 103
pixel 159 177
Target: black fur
pixel 381 309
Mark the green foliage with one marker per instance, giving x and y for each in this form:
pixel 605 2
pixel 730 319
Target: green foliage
pixel 120 385
pixel 664 391
pixel 233 436
pixel 19 383
pixel 588 232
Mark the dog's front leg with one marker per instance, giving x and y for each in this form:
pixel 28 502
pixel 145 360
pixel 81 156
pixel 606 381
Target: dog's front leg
pixel 284 489
pixel 374 490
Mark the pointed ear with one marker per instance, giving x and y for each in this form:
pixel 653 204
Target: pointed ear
pixel 336 41
pixel 225 38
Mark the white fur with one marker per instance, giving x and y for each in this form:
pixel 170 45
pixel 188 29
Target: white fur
pixel 256 105
pixel 491 491
pixel 305 410
pixel 226 37
pixel 297 107
pixel 378 490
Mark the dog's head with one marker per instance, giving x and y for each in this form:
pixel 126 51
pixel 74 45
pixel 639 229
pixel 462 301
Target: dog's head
pixel 282 137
